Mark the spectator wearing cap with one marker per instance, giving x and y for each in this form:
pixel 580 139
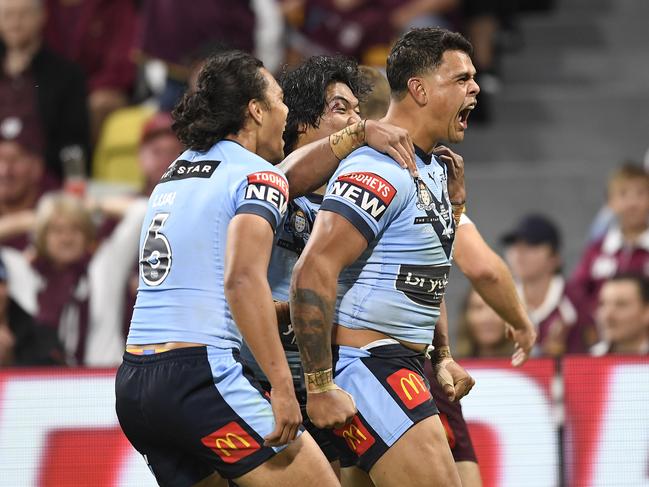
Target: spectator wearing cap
pixel 21 342
pixel 21 178
pixel 625 246
pixel 37 84
pixel 159 146
pixel 533 252
pixel 623 316
pixel 98 35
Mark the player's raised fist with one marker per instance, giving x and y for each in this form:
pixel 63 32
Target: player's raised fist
pixel 331 409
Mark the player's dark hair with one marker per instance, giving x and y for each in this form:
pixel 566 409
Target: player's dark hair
pixel 218 106
pixel 418 51
pixel 305 90
pixel 640 281
pixel 377 102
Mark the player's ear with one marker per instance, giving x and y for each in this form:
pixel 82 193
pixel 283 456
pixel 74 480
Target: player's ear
pixel 256 110
pixel 301 128
pixel 417 91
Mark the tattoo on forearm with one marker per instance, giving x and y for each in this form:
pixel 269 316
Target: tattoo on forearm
pixel 350 138
pixel 311 315
pixel 440 338
pixel 356 132
pixel 441 353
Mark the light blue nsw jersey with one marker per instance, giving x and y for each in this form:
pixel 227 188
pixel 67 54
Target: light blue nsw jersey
pixel 397 284
pixel 182 244
pixel 292 235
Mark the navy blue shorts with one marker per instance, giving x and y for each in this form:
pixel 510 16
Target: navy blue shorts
pixel 193 411
pixel 323 437
pixel 391 394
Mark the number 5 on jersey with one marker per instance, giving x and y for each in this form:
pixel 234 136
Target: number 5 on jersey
pixel 155 260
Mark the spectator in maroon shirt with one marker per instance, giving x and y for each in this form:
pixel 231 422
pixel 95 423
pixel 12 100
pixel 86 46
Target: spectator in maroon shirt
pixel 35 80
pixel 64 237
pixel 21 178
pixel 99 35
pixel 623 316
pixel 171 32
pixel 22 343
pixel 79 283
pixel 362 29
pixel 532 251
pixel 625 246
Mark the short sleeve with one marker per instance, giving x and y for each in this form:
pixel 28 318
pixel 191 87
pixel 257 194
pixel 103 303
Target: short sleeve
pixel 368 192
pixel 464 220
pixel 263 193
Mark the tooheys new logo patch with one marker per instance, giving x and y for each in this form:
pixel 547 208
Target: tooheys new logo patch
pixel 369 191
pixel 423 284
pixel 268 186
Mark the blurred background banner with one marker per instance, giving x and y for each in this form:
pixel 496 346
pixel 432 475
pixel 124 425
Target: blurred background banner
pixel 511 417
pixel 58 428
pixel 607 421
pixel 578 422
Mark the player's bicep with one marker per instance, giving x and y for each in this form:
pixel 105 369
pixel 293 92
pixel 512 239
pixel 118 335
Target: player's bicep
pixel 335 240
pixel 468 241
pixel 248 248
pixel 473 255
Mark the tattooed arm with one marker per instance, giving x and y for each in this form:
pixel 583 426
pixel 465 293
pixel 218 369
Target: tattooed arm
pixel 310 166
pixel 334 244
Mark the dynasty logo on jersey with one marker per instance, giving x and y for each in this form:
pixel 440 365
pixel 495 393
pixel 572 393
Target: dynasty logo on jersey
pixel 438 214
pixel 425 199
pixel 182 169
pixel 423 284
pixel 268 186
pixel 369 191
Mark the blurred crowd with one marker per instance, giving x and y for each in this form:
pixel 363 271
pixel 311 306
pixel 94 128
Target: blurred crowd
pixel 86 87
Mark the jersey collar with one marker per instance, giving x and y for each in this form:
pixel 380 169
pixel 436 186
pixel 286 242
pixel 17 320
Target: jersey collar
pixel 315 198
pixel 427 158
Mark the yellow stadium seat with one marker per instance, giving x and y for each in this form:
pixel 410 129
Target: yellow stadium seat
pixel 115 158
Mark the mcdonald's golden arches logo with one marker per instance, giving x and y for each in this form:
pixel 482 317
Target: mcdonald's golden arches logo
pixel 410 387
pixel 358 438
pixel 231 443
